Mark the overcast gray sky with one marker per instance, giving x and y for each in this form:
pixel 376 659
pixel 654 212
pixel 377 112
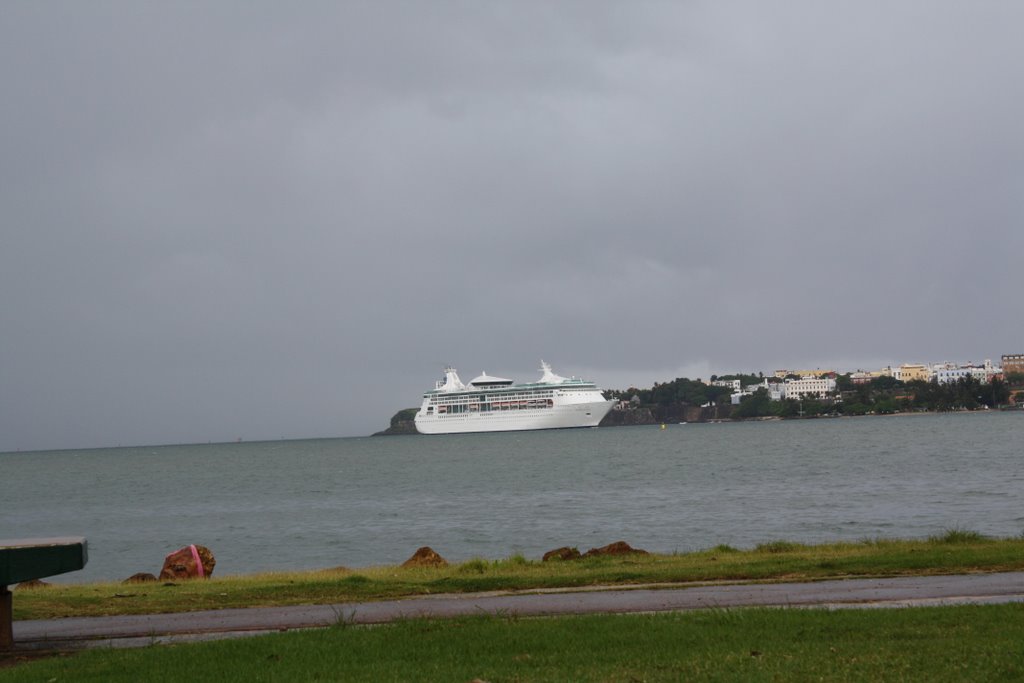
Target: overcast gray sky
pixel 266 220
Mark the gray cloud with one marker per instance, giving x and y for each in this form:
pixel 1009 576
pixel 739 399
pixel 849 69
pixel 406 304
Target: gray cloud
pixel 258 221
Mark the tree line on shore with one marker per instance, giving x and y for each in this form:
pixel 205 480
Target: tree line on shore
pixel 881 395
pixel 685 399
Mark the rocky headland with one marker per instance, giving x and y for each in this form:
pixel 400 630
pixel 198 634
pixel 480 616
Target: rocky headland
pixel 401 423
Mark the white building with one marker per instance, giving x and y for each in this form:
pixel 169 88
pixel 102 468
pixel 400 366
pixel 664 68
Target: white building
pixel 945 373
pixel 776 391
pixel 808 386
pixel 989 371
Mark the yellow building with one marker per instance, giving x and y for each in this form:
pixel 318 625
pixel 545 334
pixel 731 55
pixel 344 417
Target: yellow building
pixel 911 372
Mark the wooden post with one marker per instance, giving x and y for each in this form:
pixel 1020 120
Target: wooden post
pixel 6 619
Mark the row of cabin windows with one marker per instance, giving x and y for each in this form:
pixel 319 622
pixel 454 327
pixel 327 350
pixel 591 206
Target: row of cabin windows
pixel 490 398
pixel 533 404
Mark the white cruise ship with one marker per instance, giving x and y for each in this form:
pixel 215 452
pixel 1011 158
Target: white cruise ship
pixel 493 404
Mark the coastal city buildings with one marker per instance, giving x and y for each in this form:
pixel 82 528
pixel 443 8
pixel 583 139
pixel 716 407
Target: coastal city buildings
pixel 822 383
pixel 906 386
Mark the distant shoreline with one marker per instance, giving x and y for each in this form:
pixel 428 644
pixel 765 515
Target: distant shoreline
pixel 409 429
pixel 779 418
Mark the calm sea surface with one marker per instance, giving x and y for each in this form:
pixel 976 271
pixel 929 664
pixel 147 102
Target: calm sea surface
pixel 366 501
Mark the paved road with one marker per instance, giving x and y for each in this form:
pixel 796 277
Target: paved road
pixel 126 631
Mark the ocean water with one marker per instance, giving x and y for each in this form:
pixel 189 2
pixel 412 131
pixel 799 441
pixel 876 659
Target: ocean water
pixel 366 501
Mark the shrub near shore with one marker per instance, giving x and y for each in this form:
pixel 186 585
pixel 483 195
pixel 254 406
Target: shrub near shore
pixel 956 551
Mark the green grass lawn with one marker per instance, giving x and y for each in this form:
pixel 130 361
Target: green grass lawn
pixel 965 643
pixel 954 552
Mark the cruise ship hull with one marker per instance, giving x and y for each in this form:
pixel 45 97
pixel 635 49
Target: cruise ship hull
pixel 564 416
pixel 496 404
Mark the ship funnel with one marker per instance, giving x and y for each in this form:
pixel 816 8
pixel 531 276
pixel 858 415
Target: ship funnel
pixel 451 381
pixel 549 377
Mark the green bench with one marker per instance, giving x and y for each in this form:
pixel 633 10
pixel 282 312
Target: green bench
pixel 33 558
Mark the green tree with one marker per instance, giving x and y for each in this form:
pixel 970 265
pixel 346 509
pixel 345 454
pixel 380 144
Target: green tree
pixel 812 407
pixel 994 394
pixel 788 407
pixel 885 383
pixel 756 405
pixel 887 406
pixel 856 408
pixel 1015 379
pixel 719 395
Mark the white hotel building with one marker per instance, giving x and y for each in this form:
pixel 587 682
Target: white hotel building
pixel 808 386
